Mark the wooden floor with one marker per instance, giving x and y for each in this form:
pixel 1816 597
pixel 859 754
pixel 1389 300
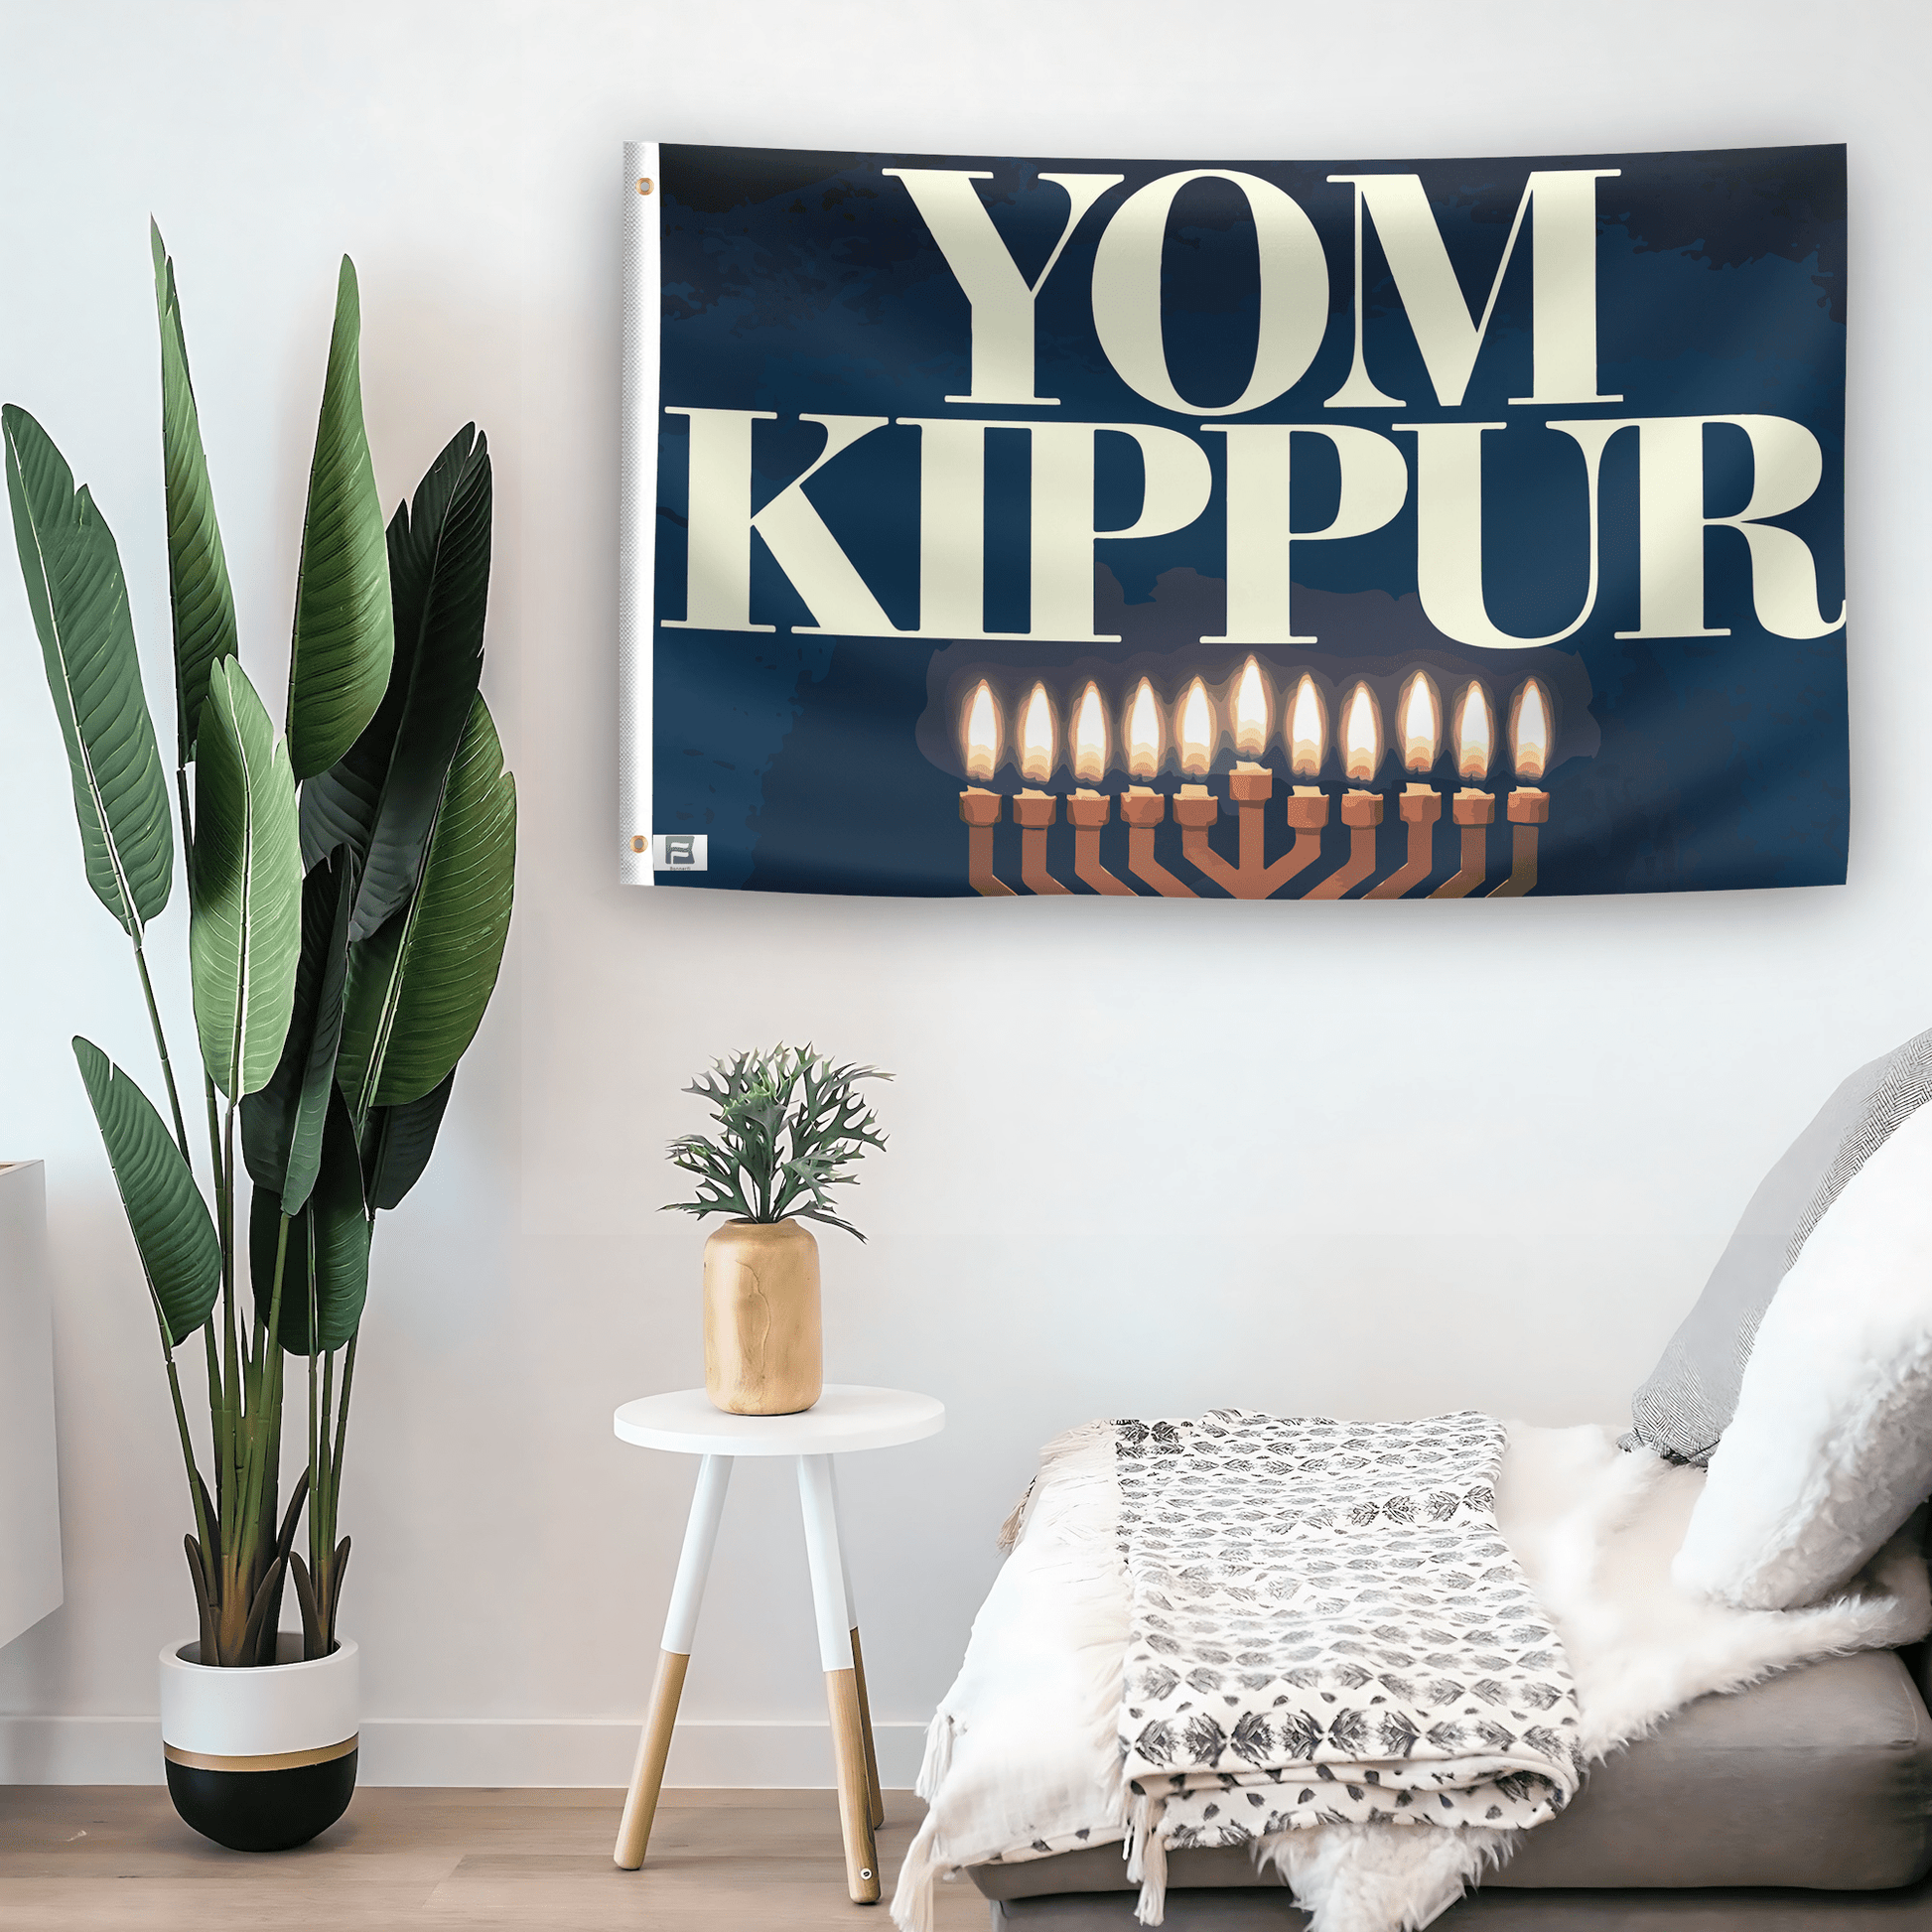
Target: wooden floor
pixel 99 1859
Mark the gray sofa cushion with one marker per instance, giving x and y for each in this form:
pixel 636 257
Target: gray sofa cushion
pixel 1692 1393
pixel 1252 1909
pixel 1820 1778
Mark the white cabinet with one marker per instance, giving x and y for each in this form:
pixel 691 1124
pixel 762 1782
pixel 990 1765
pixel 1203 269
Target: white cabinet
pixel 30 1498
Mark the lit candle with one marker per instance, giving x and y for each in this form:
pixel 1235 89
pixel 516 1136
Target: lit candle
pixel 1418 722
pixel 1088 810
pixel 1251 712
pixel 1529 730
pixel 1036 738
pixel 1474 733
pixel 1142 808
pixel 1033 811
pixel 1420 713
pixel 978 807
pixel 981 733
pixel 1361 810
pixel 1089 738
pixel 1306 732
pixel 1144 733
pixel 1197 730
pixel 1529 805
pixel 1306 726
pixel 1473 810
pixel 1361 735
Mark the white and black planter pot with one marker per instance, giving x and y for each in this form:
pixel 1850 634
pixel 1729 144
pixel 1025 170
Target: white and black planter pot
pixel 262 1759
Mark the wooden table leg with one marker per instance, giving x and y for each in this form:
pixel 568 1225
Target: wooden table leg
pixel 874 1795
pixel 680 1626
pixel 840 1677
pixel 859 1667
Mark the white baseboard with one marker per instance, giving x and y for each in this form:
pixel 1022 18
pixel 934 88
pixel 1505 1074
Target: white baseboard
pixel 486 1751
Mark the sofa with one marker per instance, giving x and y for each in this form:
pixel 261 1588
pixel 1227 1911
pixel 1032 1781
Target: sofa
pixel 1800 1805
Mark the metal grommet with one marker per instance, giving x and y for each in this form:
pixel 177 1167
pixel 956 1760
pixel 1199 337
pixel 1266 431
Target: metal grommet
pixel 866 1872
pixel 644 184
pixel 639 843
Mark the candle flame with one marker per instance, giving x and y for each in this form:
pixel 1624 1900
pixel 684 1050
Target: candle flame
pixel 1530 731
pixel 981 733
pixel 1361 734
pixel 1304 730
pixel 1474 733
pixel 1144 734
pixel 1090 738
pixel 1196 731
pixel 1251 712
pixel 1422 723
pixel 1036 738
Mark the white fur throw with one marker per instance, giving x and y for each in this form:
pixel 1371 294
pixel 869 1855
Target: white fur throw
pixel 1830 1447
pixel 1023 1758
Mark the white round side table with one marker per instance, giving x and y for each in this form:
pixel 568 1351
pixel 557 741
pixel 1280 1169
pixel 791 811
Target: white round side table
pixel 843 1419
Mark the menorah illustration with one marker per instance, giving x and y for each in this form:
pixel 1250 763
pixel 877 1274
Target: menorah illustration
pixel 1192 728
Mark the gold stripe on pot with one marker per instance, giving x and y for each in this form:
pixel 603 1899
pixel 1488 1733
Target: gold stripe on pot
pixel 268 1761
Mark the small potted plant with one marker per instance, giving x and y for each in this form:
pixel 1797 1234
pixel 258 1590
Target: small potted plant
pixel 791 1126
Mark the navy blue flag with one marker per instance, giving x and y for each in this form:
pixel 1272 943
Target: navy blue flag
pixel 1297 529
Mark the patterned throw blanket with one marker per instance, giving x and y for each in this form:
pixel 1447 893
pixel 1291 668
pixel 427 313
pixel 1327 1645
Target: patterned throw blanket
pixel 1327 1627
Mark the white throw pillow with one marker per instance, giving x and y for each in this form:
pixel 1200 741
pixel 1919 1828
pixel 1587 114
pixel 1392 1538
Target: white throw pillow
pixel 1830 1447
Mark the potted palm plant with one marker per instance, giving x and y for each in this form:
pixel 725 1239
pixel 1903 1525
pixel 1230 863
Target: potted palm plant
pixel 791 1126
pixel 350 885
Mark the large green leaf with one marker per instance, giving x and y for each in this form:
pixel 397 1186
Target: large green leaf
pixel 380 797
pixel 198 569
pixel 397 1143
pixel 418 989
pixel 180 1252
pixel 281 1126
pixel 244 935
pixel 328 1247
pixel 344 635
pixel 78 599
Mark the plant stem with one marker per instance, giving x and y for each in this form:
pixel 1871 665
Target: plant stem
pixel 322 1507
pixel 264 1436
pixel 335 1483
pixel 161 1047
pixel 231 1391
pixel 342 1419
pixel 186 1453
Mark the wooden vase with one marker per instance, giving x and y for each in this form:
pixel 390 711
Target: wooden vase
pixel 763 1350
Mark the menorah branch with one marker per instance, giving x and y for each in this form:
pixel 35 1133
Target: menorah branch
pixel 1196 810
pixel 1422 808
pixel 1528 809
pixel 1140 811
pixel 1034 812
pixel 1087 812
pixel 980 810
pixel 1361 812
pixel 1474 811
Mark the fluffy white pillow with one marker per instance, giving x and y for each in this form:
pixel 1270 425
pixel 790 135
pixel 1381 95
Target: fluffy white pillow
pixel 1831 1447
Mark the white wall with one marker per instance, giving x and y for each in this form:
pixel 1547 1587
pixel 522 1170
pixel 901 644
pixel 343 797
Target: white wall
pixel 1373 1160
